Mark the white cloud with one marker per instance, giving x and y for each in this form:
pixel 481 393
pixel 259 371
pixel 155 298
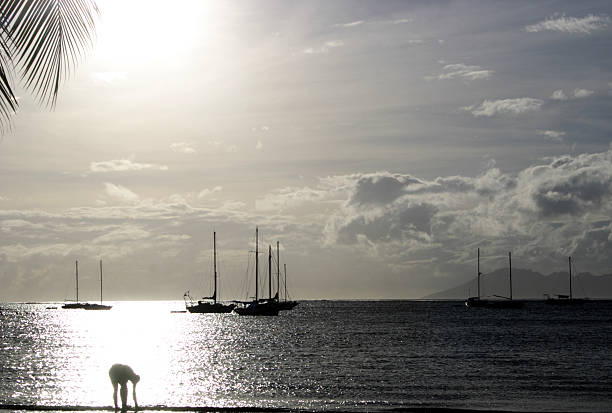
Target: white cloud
pixel 205 192
pixel 182 147
pixel 352 24
pixel 415 41
pixel 121 165
pixel 576 94
pixel 259 145
pixel 552 134
pixel 559 95
pixel 120 193
pixel 219 145
pixel 505 106
pixel 325 48
pixel 462 71
pixel 584 25
pixel 583 93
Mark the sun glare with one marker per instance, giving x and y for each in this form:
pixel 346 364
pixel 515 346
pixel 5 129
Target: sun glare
pixel 139 33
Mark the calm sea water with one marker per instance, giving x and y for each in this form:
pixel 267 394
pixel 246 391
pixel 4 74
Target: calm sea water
pixel 332 355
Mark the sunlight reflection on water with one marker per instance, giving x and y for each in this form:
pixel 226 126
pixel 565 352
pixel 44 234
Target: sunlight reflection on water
pixel 353 356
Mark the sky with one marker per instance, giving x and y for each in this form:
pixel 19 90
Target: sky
pixel 380 143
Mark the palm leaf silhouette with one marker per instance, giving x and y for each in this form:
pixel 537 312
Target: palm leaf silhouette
pixel 42 40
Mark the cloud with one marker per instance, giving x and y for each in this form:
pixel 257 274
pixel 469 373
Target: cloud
pixel 121 165
pixel 120 193
pixel 570 186
pixel 259 145
pixel 552 134
pixel 574 25
pixel 462 71
pixel 545 210
pixel 505 106
pixel 325 48
pixel 558 95
pixel 582 93
pixel 182 147
pixel 576 94
pixel 352 24
pixel 220 145
pixel 205 192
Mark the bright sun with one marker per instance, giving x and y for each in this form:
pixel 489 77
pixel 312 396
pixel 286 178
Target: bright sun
pixel 144 32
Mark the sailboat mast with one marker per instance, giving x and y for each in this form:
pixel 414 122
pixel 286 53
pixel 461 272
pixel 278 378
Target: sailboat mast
pixel 285 265
pixel 277 270
pixel 510 269
pixel 256 264
pixel 76 264
pixel 215 265
pixel 270 271
pixel 570 276
pixel 100 281
pixel 478 269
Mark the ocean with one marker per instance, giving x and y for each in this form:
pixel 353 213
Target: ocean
pixel 322 356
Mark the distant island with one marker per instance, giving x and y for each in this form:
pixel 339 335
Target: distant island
pixel 528 284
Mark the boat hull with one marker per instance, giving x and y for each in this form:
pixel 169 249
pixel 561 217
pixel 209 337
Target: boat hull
pixel 86 306
pixel 477 302
pixel 258 309
pixel 210 308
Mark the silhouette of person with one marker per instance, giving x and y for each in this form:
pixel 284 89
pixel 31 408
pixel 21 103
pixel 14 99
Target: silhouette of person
pixel 120 374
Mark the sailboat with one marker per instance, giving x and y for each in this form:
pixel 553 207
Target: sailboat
pixel 563 299
pixel 477 301
pixel 86 306
pixel 286 304
pixel 205 305
pixel 501 302
pixel 93 306
pixel 260 306
pixel 76 304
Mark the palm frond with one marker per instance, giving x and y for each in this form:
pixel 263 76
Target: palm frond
pixel 44 39
pixel 8 100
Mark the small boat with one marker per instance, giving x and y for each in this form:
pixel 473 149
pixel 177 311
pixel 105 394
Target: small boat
pixel 208 304
pixel 263 306
pixel 564 299
pixel 93 306
pixel 500 301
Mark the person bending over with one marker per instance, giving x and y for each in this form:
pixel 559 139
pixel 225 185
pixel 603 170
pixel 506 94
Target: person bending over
pixel 120 374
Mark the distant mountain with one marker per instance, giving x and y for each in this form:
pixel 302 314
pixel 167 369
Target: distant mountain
pixel 531 284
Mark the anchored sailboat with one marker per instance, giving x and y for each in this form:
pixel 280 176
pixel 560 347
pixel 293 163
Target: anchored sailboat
pixel 264 306
pixel 92 306
pixel 477 301
pixel 501 301
pixel 86 306
pixel 76 304
pixel 563 299
pixel 205 305
pixel 286 304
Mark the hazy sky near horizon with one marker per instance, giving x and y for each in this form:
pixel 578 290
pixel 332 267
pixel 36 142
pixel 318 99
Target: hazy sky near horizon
pixel 380 142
